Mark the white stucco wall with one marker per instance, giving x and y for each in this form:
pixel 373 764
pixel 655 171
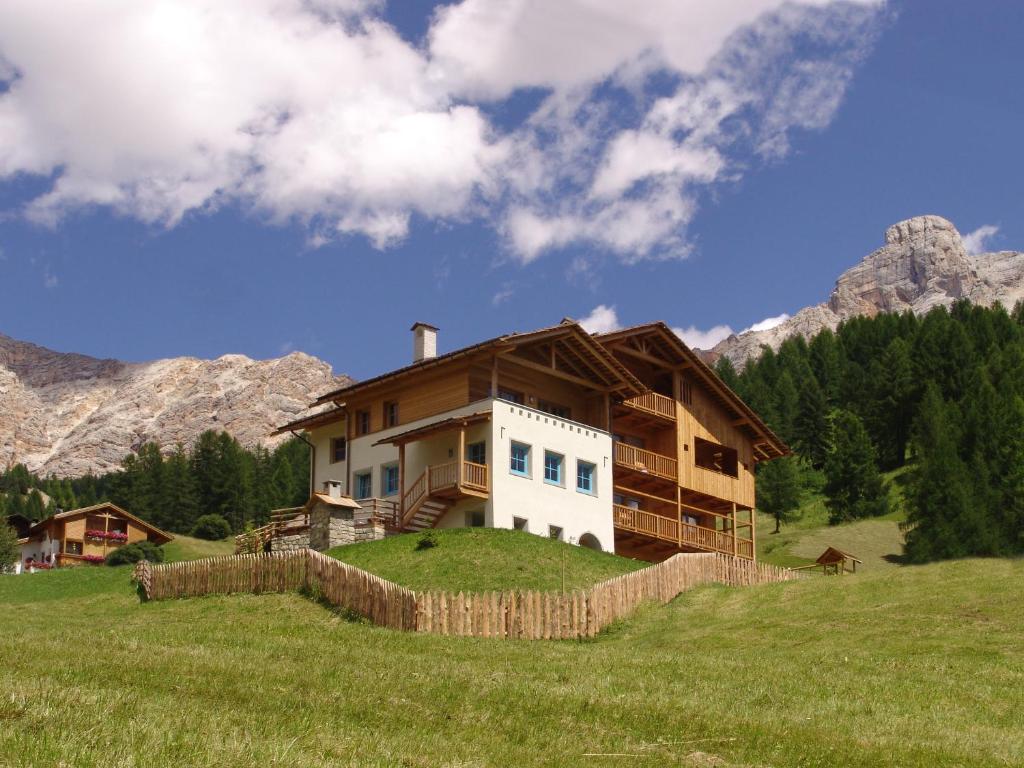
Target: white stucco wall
pixel 38 549
pixel 540 503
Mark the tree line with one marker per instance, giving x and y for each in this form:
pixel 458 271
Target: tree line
pixel 944 391
pixel 215 475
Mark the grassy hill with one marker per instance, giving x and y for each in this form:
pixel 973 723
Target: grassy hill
pixel 907 667
pixel 482 559
pixel 188 548
pixel 878 542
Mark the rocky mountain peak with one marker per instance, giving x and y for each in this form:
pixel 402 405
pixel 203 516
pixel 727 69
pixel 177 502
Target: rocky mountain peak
pixel 68 414
pixel 922 264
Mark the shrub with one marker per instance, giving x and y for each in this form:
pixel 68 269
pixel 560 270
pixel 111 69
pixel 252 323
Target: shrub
pixel 427 540
pixel 211 528
pixel 132 553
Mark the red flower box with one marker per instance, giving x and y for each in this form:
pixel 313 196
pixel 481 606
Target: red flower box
pixel 108 535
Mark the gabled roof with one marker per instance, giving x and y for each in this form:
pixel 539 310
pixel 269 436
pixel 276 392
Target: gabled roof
pixel 831 554
pixel 665 344
pixel 152 529
pixel 591 358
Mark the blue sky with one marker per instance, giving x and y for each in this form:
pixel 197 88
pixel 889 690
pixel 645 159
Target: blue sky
pixel 502 192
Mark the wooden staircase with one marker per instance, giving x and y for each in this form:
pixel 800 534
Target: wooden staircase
pixel 437 490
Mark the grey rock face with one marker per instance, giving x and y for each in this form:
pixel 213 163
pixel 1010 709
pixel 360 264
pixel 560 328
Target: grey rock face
pixel 67 414
pixel 923 264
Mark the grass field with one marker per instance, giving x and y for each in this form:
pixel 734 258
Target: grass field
pixel 482 559
pixel 878 542
pixel 188 548
pixel 908 667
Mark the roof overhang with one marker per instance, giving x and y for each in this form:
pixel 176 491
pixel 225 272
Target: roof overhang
pixel 658 344
pixel 435 428
pixel 319 419
pixel 579 357
pixel 159 536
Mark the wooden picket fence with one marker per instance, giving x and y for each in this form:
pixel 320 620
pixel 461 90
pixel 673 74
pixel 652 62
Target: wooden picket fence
pixel 528 614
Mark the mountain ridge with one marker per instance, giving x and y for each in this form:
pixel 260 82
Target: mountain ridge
pixel 922 264
pixel 64 413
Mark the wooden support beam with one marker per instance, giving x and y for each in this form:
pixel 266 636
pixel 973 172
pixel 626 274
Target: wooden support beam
pixel 557 374
pixel 494 376
pixel 462 456
pixel 735 543
pixel 401 479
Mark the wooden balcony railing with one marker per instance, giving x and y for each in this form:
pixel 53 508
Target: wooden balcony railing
pixel 668 529
pixel 653 403
pixel 474 475
pixel 648 462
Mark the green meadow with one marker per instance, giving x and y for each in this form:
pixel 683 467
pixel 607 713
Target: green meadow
pixel 920 666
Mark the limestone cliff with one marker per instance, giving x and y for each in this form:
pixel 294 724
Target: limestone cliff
pixel 922 264
pixel 67 414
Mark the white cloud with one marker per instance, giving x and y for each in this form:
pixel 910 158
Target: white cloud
pixel 977 241
pixel 768 323
pixel 319 112
pixel 602 319
pixel 49 279
pixel 500 297
pixel 698 339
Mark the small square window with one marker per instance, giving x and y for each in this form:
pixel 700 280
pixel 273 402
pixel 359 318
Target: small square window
pixel 364 485
pixel 519 463
pixel 585 472
pixel 519 523
pixel 73 547
pixel 389 479
pixel 555 532
pixel 475 518
pixel 339 449
pixel 553 467
pixel 362 422
pixel 390 413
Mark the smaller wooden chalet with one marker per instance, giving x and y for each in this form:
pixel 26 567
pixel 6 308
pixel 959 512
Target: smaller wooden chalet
pixel 85 535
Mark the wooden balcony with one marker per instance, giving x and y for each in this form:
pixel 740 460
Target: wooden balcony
pixel 646 462
pixel 653 404
pixel 683 535
pixel 446 481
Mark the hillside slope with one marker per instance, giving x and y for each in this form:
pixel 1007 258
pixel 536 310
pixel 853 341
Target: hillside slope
pixel 68 414
pixel 912 667
pixel 922 264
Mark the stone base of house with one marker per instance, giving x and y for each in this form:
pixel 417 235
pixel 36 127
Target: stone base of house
pixel 290 543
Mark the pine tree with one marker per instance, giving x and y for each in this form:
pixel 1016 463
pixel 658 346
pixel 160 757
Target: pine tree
pixel 179 508
pixel 811 427
pixel 786 407
pixel 10 552
pixel 778 489
pixel 853 485
pixel 35 509
pixel 727 372
pixel 947 521
pixel 282 484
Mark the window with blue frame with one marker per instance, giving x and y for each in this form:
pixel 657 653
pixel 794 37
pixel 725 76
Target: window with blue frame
pixel 364 485
pixel 390 479
pixel 553 467
pixel 520 460
pixel 477 452
pixel 585 472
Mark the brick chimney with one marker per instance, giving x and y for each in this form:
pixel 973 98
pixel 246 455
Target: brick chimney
pixel 424 342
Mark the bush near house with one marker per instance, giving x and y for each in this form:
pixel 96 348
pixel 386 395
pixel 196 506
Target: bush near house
pixel 132 553
pixel 211 528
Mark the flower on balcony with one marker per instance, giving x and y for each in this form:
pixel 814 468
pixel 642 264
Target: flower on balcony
pixel 108 535
pixel 93 558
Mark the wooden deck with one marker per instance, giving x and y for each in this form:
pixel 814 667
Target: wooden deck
pixel 646 462
pixel 442 484
pixel 653 404
pixel 682 534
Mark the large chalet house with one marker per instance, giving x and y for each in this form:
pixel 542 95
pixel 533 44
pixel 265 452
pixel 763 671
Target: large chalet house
pixel 625 442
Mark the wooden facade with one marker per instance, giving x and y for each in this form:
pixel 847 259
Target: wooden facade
pixel 685 452
pixel 86 535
